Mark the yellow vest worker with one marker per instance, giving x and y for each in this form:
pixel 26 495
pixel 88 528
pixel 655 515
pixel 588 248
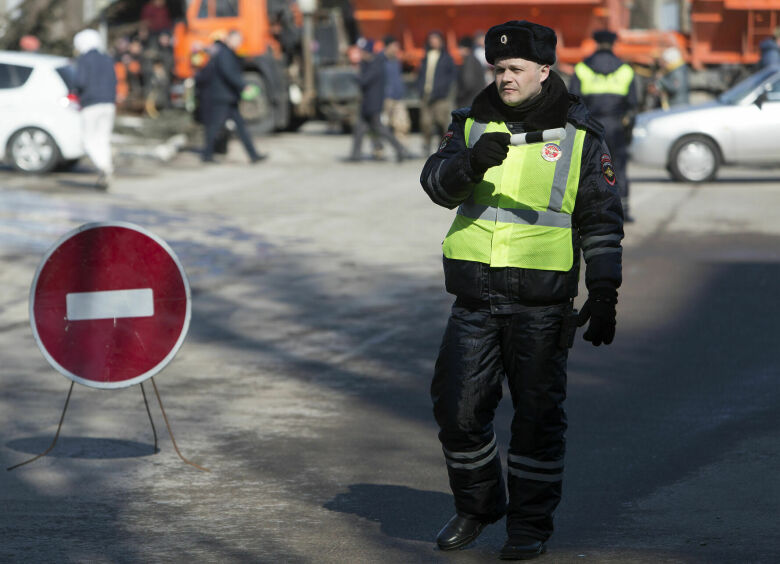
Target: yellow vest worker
pixel 532 182
pixel 608 89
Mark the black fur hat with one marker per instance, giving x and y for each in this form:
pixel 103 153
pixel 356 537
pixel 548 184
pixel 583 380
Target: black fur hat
pixel 604 36
pixel 521 39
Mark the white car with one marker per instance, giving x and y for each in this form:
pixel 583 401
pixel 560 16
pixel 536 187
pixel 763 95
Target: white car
pixel 691 142
pixel 40 127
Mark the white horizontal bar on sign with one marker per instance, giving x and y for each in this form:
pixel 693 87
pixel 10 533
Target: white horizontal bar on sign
pixel 110 304
pixel 558 134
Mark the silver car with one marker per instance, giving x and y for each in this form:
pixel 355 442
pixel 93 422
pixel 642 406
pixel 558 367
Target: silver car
pixel 691 142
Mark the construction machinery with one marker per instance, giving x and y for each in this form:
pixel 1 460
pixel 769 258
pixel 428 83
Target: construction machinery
pixel 294 53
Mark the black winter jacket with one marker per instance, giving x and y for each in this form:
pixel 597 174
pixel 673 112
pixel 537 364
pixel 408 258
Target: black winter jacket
pixel 95 81
pixel 606 106
pixel 471 81
pixel 372 79
pixel 597 221
pixel 443 76
pixel 224 79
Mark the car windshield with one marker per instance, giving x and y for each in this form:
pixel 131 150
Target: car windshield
pixel 737 92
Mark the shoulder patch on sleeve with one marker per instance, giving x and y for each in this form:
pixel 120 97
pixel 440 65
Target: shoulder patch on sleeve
pixel 607 170
pixel 446 140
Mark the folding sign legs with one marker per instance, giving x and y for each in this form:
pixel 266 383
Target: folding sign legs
pixel 56 436
pixel 148 412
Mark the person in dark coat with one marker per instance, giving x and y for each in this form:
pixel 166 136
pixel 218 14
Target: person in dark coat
pixel 435 83
pixel 396 113
pixel 608 88
pixel 223 87
pixel 512 260
pixel 770 51
pixel 95 85
pixel 471 74
pixel 372 78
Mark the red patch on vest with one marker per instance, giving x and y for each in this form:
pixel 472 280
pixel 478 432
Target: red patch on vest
pixel 445 140
pixel 608 170
pixel 551 152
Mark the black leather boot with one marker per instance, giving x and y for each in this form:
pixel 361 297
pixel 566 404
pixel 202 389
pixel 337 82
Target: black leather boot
pixel 458 532
pixel 522 549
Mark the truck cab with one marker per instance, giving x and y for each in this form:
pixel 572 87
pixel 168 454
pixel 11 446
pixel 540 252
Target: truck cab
pixel 296 58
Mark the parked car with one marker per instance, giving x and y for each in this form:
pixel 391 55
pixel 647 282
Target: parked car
pixel 692 142
pixel 40 127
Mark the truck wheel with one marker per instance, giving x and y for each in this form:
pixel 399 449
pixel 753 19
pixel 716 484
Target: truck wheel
pixel 694 159
pixel 259 111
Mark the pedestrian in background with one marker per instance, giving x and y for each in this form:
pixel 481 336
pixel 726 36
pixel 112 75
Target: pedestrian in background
pixel 95 85
pixel 608 88
pixel 155 17
pixel 372 78
pixel 223 87
pixel 435 84
pixel 471 74
pixel 770 51
pixel 512 260
pixel 673 82
pixel 396 114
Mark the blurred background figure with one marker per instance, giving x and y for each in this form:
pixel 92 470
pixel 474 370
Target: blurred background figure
pixel 770 51
pixel 95 85
pixel 479 53
pixel 372 79
pixel 155 17
pixel 223 87
pixel 471 74
pixel 673 82
pixel 434 84
pixel 29 43
pixel 608 88
pixel 396 114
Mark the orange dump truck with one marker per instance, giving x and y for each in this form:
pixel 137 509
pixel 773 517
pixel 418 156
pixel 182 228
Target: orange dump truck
pixel 297 58
pixel 713 32
pixel 297 53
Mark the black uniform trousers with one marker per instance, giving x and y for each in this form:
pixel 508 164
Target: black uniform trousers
pixel 615 136
pixel 214 118
pixel 477 351
pixel 372 123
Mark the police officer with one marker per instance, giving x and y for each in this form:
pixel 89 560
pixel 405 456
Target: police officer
pixel 512 260
pixel 608 88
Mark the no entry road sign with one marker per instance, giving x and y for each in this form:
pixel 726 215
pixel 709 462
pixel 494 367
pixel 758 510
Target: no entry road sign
pixel 110 305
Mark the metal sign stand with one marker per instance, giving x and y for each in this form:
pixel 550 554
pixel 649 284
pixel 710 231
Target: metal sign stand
pixel 149 413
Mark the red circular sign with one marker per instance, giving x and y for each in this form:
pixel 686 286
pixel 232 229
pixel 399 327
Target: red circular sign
pixel 110 305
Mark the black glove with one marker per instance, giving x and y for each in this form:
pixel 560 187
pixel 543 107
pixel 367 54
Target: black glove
pixel 490 150
pixel 600 309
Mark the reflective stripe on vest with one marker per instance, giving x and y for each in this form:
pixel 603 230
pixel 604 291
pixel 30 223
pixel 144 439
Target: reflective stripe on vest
pixel 617 82
pixel 520 213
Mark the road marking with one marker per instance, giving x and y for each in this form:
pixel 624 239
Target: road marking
pixel 109 304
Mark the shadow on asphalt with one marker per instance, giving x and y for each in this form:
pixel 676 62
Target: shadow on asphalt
pixel 402 512
pixel 82 447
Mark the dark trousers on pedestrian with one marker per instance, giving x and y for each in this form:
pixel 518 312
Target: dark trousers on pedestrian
pixel 478 350
pixel 214 120
pixel 615 136
pixel 372 123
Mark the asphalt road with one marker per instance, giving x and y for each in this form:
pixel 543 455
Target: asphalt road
pixel 303 386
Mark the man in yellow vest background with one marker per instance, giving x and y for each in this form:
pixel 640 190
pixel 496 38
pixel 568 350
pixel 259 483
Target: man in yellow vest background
pixel 531 177
pixel 608 88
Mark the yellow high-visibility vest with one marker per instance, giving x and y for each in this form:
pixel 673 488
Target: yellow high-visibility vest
pixel 617 82
pixel 520 213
